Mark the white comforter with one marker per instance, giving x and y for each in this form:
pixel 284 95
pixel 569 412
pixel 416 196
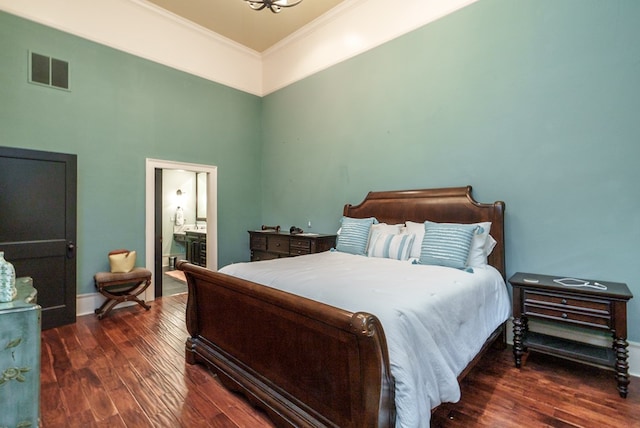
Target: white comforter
pixel 435 319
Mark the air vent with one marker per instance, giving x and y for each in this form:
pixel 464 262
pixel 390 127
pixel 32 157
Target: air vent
pixel 48 71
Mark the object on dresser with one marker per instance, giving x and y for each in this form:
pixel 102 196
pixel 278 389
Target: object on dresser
pixel 270 228
pixel 295 230
pixel 8 289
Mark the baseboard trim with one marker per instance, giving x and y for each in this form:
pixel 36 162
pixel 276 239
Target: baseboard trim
pixel 581 336
pixel 88 303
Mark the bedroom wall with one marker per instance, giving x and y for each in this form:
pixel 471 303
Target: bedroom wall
pixel 121 110
pixel 535 103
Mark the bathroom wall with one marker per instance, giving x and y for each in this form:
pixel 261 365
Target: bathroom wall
pixel 172 180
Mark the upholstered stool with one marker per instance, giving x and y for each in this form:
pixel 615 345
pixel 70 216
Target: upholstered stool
pixel 121 287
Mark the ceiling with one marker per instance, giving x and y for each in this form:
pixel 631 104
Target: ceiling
pixel 235 20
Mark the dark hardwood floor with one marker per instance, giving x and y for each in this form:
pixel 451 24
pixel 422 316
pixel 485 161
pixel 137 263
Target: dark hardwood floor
pixel 128 370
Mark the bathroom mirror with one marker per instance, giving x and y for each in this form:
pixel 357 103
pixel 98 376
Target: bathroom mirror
pixel 201 196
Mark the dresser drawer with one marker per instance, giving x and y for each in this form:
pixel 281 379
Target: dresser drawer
pixel 278 244
pixel 300 246
pixel 568 308
pixel 262 255
pixel 258 242
pixel 267 244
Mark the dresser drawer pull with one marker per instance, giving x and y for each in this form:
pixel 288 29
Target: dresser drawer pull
pixel 564 301
pixel 564 315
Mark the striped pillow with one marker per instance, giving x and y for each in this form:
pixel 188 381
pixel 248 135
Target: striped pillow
pixel 447 244
pixel 391 246
pixel 354 235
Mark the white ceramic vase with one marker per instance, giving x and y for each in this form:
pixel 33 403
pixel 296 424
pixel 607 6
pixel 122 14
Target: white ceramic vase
pixel 7 280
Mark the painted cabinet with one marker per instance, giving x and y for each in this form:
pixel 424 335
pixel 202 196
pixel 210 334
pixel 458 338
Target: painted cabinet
pixel 196 243
pixel 20 358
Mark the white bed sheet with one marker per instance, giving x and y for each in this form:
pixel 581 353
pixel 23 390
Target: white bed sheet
pixel 435 319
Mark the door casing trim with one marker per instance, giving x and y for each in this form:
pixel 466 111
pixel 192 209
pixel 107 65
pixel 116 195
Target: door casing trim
pixel 212 211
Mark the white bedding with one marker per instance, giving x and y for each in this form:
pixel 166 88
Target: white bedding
pixel 435 318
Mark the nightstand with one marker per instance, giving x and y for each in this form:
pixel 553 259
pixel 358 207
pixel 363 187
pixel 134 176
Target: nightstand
pixel 538 296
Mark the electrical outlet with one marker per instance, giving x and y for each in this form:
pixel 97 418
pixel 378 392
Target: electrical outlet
pixel 309 224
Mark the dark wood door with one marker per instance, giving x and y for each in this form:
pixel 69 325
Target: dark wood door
pixel 157 242
pixel 38 226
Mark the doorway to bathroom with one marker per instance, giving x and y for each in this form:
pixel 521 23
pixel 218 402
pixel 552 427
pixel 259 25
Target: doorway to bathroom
pixel 181 223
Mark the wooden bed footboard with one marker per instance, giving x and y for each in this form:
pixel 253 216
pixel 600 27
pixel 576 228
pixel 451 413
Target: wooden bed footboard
pixel 305 363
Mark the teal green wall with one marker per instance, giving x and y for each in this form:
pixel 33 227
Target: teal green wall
pixel 532 102
pixel 121 110
pixel 536 103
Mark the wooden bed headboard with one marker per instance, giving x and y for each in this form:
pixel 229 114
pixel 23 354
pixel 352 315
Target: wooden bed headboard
pixel 447 205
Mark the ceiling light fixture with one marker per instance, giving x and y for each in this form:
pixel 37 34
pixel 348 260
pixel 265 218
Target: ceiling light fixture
pixel 274 6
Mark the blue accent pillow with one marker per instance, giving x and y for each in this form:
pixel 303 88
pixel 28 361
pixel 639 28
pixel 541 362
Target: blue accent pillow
pixel 447 244
pixel 354 235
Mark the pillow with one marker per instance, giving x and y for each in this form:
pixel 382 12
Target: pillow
pixel 122 261
pixel 354 235
pixel 390 245
pixel 387 228
pixel 417 229
pixel 447 244
pixel 482 243
pixel 478 252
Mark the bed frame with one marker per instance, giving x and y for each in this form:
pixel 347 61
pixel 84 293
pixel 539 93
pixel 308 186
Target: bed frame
pixel 306 363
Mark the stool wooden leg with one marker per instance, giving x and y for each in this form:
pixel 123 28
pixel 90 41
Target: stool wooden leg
pixel 122 295
pixel 106 308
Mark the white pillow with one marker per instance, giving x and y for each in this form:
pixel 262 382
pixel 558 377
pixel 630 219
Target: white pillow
pixel 478 252
pixel 387 228
pixel 417 229
pixel 390 245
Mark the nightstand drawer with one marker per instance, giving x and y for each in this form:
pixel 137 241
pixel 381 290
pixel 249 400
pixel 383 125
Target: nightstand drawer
pixel 568 308
pixel 568 315
pixel 278 244
pixel 300 246
pixel 567 301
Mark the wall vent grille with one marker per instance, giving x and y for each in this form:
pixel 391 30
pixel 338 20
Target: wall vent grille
pixel 47 71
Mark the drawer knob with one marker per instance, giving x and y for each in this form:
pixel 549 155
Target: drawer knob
pixel 564 301
pixel 278 244
pixel 564 316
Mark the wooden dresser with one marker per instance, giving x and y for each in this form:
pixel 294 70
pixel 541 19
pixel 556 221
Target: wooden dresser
pixel 267 245
pixel 20 358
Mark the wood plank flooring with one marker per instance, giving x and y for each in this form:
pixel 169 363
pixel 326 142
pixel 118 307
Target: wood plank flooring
pixel 128 370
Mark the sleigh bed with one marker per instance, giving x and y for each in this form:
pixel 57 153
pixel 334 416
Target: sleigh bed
pixel 308 363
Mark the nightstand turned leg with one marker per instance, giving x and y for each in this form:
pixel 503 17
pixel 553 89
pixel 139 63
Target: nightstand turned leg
pixel 519 328
pixel 622 366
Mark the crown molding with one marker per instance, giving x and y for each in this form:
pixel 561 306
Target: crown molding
pixel 349 29
pixel 145 30
pixel 150 32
